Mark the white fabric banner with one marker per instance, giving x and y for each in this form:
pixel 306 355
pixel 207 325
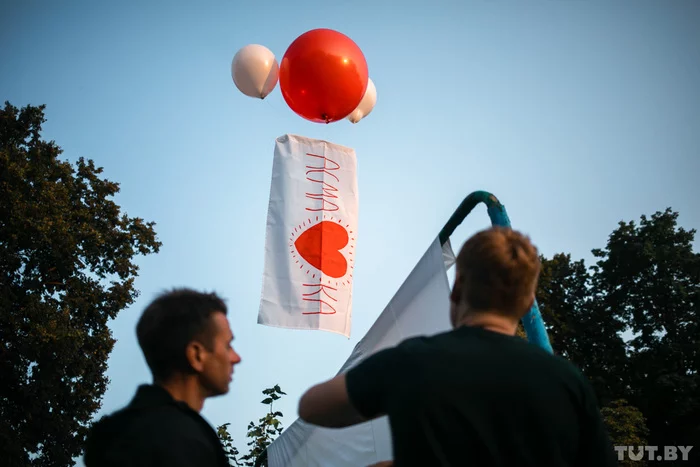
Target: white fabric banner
pixel 310 236
pixel 420 307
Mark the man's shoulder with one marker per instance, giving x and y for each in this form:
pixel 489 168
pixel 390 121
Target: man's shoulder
pixel 426 342
pixel 134 433
pixel 139 425
pixel 429 345
pixel 479 342
pixel 420 346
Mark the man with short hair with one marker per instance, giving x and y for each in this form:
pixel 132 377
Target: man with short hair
pixel 478 394
pixel 186 341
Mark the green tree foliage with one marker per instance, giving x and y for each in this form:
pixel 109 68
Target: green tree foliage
pixel 232 452
pixel 645 281
pixel 649 276
pixel 260 435
pixel 66 268
pixel 579 328
pixel 627 427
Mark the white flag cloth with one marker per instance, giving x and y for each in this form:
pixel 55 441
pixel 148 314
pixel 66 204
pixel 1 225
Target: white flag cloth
pixel 310 236
pixel 420 307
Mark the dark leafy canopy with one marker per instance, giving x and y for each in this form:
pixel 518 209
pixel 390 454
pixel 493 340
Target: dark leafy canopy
pixel 66 268
pixel 580 329
pixel 649 277
pixel 646 281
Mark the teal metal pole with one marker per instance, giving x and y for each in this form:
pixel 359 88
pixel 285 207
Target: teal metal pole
pixel 532 321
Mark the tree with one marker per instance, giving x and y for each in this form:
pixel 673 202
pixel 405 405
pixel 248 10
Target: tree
pixel 261 435
pixel 580 330
pixel 231 450
pixel 649 276
pixel 562 295
pixel 645 281
pixel 66 268
pixel 627 427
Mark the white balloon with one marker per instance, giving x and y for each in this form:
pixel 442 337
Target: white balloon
pixel 369 100
pixel 255 71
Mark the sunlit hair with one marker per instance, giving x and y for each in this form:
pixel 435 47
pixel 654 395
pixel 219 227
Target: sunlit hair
pixel 498 269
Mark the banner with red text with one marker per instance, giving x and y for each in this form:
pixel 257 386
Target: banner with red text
pixel 310 236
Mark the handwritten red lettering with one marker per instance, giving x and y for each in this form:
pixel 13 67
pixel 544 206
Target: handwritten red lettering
pixel 321 289
pixel 323 169
pixel 325 205
pixel 328 192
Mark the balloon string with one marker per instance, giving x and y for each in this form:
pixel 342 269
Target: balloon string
pixel 275 95
pixel 269 103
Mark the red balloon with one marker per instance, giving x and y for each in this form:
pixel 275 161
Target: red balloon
pixel 323 76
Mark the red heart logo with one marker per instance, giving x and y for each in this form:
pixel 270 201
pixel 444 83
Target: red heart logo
pixel 320 246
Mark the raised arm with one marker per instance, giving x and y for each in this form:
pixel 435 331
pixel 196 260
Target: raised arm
pixel 328 405
pixel 353 397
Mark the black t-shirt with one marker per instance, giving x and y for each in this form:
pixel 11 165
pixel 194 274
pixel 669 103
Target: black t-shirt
pixel 154 430
pixel 472 397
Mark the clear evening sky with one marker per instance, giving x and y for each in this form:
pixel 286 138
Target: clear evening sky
pixel 576 114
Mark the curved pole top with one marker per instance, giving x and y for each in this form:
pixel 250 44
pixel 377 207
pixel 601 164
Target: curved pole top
pixel 463 210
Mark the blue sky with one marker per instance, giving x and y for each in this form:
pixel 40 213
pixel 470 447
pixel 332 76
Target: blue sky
pixel 575 113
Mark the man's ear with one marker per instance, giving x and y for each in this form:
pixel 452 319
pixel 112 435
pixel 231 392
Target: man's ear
pixel 194 353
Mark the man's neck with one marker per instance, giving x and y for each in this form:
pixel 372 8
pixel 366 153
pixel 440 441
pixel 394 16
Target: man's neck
pixel 185 389
pixel 490 321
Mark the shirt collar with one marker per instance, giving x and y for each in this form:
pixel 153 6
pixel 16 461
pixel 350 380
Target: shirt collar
pixel 152 395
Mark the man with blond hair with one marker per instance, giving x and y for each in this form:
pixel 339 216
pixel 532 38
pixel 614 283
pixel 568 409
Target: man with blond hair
pixel 478 394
